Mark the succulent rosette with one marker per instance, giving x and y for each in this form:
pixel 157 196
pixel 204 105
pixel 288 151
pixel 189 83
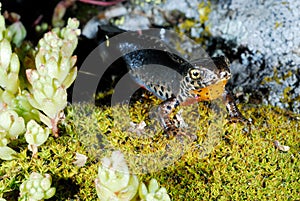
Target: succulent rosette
pixel 21 105
pixel 37 187
pixel 11 126
pixel 9 70
pixel 46 94
pixel 9 64
pixel 114 182
pixel 54 57
pixel 153 192
pixel 35 135
pixel 55 72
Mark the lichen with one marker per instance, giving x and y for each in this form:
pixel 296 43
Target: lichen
pixel 266 42
pixel 198 29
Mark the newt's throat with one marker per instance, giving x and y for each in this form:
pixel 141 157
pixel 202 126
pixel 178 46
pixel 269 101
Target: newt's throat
pixel 210 92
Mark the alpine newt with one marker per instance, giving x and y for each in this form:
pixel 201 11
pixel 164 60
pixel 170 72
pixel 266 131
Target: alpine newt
pixel 175 80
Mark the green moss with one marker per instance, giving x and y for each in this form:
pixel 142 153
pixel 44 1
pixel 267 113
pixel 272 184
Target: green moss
pixel 234 165
pixel 56 158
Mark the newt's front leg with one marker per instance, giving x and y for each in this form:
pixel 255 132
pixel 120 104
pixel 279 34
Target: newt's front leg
pixel 172 125
pixel 234 113
pixel 165 109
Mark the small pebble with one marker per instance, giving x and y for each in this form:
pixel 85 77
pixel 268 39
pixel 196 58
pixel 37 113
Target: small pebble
pixel 281 147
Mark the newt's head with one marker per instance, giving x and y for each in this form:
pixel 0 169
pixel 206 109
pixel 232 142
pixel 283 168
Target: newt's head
pixel 207 79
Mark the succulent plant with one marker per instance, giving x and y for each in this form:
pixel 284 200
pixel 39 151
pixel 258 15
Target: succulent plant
pixel 21 105
pixel 54 58
pixel 46 94
pixel 11 126
pixel 153 192
pixel 54 73
pixel 7 153
pixel 10 67
pixel 114 182
pixel 9 70
pixel 37 187
pixel 35 135
pixel 17 32
pixel 9 64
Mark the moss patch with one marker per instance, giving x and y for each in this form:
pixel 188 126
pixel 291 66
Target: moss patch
pixel 225 163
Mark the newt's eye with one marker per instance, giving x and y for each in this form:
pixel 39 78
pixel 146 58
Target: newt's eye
pixel 195 73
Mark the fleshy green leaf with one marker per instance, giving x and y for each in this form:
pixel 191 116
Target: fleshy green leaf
pixel 7 153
